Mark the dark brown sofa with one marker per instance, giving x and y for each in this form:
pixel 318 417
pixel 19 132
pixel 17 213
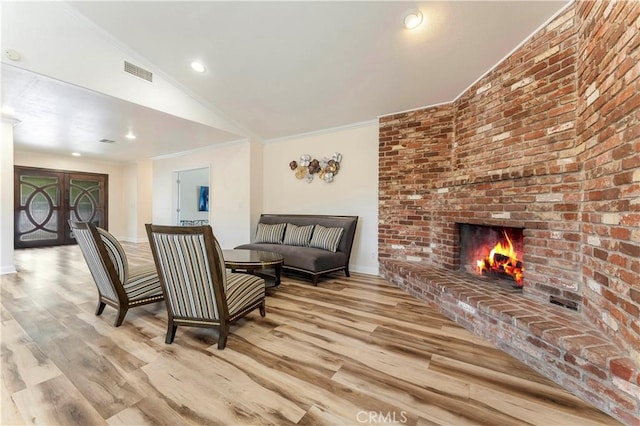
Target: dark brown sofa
pixel 310 260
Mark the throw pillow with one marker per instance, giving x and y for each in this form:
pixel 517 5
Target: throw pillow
pixel 272 234
pixel 297 235
pixel 326 238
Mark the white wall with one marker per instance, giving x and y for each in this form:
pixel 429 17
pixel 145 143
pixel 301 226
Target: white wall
pixel 130 201
pixel 6 197
pixel 117 197
pixel 137 199
pixel 145 198
pixel 229 189
pixel 257 172
pixel 354 191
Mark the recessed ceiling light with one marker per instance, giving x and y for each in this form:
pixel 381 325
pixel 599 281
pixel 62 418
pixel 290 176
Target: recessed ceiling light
pixel 412 19
pixel 130 135
pixel 197 66
pixel 76 154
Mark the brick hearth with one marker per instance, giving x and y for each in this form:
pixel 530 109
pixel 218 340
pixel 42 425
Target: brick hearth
pixel 548 141
pixel 555 341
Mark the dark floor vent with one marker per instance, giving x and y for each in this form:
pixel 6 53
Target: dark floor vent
pixel 565 303
pixel 137 71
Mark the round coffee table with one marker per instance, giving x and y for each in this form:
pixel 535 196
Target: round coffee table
pixel 254 260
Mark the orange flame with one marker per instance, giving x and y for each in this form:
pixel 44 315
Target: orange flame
pixel 502 260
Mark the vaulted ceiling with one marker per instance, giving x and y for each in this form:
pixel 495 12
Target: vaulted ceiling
pixel 273 69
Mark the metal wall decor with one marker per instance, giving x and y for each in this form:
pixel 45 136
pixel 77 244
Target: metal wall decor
pixel 326 168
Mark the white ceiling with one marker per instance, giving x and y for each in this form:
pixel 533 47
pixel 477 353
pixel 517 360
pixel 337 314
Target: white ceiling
pixel 58 117
pixel 276 69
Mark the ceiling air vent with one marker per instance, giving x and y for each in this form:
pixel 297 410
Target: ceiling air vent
pixel 137 71
pixel 106 141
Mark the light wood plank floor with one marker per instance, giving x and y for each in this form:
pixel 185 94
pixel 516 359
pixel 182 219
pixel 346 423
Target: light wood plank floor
pixel 352 351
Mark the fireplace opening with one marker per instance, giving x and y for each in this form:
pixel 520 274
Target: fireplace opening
pixel 493 251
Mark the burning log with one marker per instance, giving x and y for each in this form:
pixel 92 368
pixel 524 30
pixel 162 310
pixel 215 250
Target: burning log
pixel 502 260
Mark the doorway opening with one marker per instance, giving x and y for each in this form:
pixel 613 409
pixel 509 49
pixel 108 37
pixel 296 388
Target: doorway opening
pixel 192 189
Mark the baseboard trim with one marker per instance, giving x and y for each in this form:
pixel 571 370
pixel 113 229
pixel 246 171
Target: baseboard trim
pixel 369 270
pixel 8 269
pixel 133 240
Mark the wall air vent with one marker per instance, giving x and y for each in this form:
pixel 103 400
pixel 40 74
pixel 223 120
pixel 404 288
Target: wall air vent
pixel 137 71
pixel 106 141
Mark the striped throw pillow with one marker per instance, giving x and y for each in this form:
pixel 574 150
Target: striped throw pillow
pixel 326 238
pixel 271 234
pixel 297 235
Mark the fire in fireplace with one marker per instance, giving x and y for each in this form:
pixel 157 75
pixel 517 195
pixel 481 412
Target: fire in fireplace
pixel 492 251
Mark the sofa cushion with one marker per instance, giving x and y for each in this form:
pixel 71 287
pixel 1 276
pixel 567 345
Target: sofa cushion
pixel 270 233
pixel 305 258
pixel 326 238
pixel 297 235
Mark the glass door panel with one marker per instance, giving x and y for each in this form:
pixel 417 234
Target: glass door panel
pixel 38 209
pixel 84 199
pixel 87 199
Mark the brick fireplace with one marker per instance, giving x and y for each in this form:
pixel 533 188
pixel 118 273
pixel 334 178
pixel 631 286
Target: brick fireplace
pixel 547 142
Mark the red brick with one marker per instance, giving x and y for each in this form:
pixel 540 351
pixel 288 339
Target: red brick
pixel 599 355
pixel 578 343
pixel 586 366
pixel 619 397
pixel 623 368
pixel 626 417
pixel 630 249
pixel 567 369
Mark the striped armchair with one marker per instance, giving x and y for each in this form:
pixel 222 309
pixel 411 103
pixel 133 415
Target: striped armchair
pixel 199 292
pixel 118 285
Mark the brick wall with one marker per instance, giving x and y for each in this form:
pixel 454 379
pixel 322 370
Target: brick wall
pixel 415 156
pixel 547 141
pixel 503 154
pixel 609 130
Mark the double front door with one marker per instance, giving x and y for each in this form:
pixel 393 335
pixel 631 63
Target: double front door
pixel 45 199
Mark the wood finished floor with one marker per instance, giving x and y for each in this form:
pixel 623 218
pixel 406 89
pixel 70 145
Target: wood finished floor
pixel 352 351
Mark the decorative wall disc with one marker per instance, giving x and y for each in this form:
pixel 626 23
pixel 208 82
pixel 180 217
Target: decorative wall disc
pixel 326 169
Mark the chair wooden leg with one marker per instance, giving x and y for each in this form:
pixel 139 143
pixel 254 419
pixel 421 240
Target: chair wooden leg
pixel 171 332
pixel 222 340
pixel 346 271
pixel 122 311
pixel 262 308
pixel 100 307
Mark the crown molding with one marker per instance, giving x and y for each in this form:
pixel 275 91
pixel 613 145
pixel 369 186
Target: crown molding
pixel 323 131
